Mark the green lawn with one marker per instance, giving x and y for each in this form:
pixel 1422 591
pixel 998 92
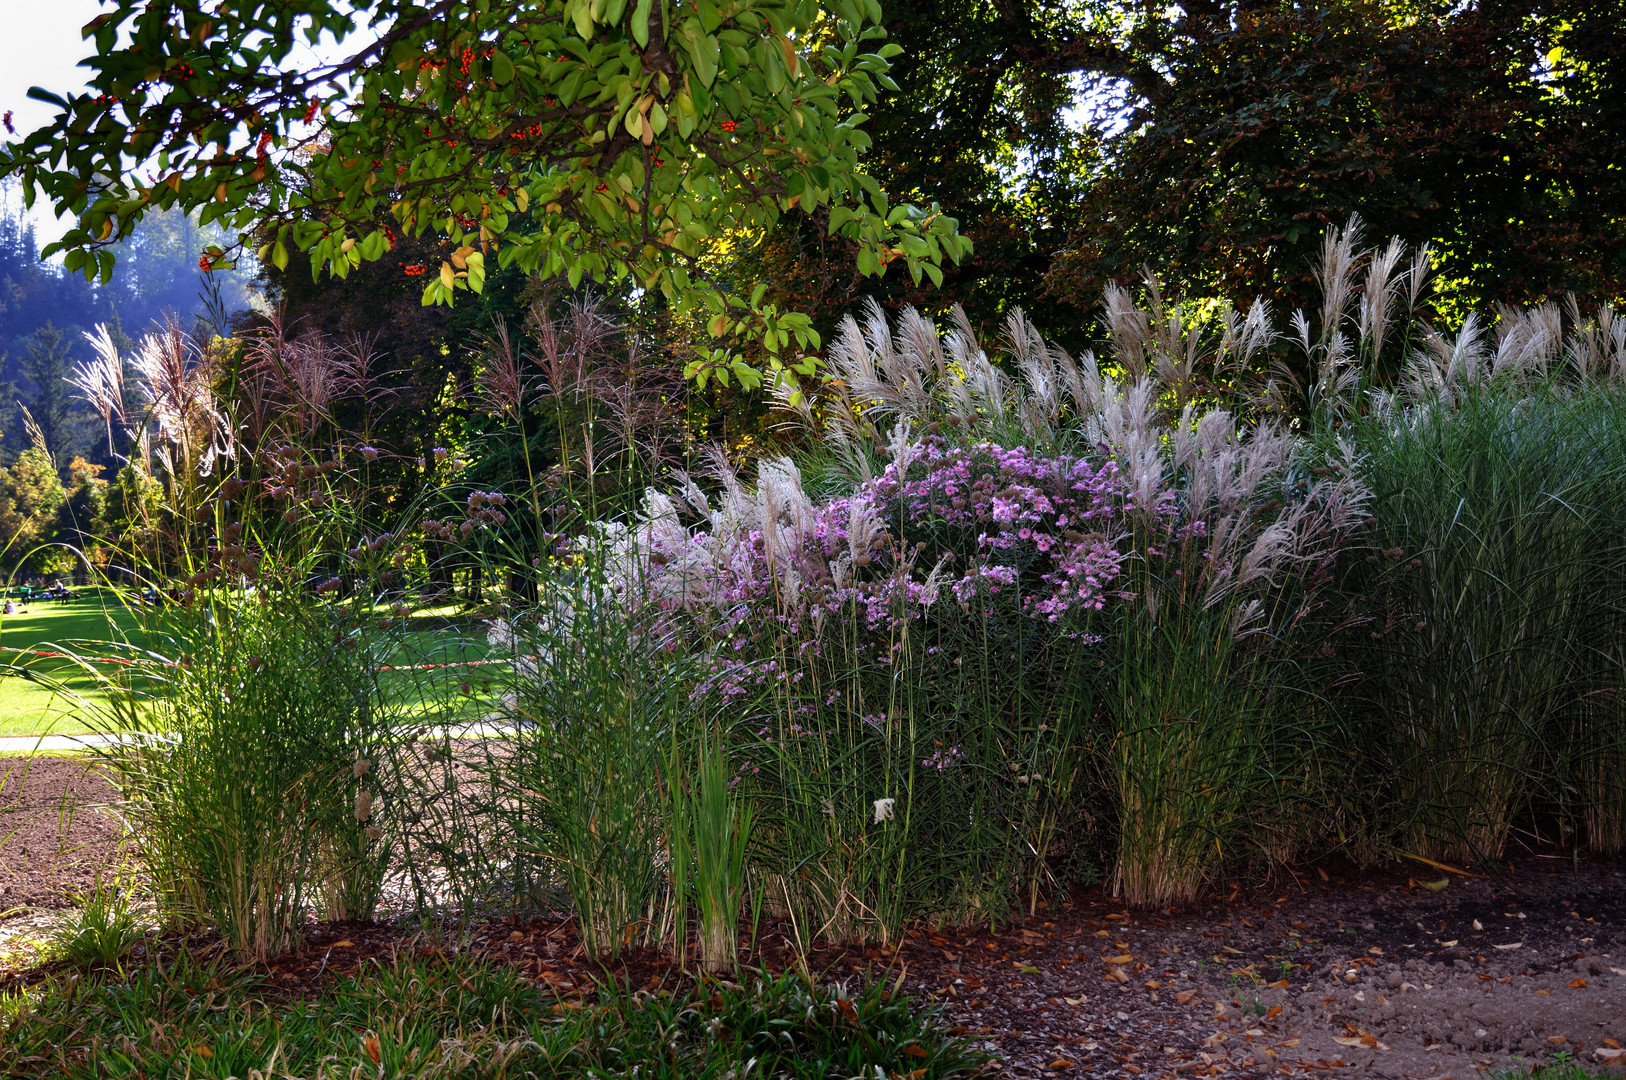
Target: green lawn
pixel 27 708
pixel 436 636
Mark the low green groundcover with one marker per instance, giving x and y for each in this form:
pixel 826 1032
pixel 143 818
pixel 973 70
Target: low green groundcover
pixel 459 1017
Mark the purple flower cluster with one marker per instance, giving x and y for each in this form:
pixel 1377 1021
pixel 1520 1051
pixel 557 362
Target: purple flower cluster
pixel 1008 522
pixel 1030 536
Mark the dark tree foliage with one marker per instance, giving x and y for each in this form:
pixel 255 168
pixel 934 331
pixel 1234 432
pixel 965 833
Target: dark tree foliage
pixel 50 397
pixel 1080 140
pixel 980 120
pixel 1491 129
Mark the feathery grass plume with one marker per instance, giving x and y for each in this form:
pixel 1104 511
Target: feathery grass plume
pixel 100 380
pixel 1232 550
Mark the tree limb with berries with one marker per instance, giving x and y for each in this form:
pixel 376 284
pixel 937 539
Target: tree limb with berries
pixel 623 141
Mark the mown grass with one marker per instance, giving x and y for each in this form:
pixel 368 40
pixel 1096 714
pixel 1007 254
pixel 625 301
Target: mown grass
pixel 31 708
pixel 90 625
pixel 459 1017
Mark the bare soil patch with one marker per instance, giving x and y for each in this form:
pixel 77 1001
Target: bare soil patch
pixel 56 833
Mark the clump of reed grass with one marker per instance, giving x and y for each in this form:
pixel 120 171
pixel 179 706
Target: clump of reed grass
pixel 1496 568
pixel 597 695
pixel 235 753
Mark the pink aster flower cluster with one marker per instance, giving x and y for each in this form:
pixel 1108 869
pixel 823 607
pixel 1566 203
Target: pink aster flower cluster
pixel 1043 531
pixel 1012 533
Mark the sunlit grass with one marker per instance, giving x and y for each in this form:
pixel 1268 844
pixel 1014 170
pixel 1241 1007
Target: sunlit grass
pixel 439 635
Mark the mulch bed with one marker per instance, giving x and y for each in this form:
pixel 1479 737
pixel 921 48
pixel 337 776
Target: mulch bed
pixel 1334 972
pixel 56 833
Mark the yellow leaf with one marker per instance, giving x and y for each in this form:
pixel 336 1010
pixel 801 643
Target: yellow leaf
pixel 1436 886
pixel 447 275
pixel 220 193
pixel 346 944
pixel 1123 959
pixel 349 242
pixel 460 257
pixel 202 1051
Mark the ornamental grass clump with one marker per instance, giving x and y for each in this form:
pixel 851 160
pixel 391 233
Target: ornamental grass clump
pixel 236 752
pixel 599 690
pixel 1497 589
pixel 1220 610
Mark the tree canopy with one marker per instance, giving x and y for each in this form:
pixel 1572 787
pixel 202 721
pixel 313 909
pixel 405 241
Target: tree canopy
pixel 1078 141
pixel 619 140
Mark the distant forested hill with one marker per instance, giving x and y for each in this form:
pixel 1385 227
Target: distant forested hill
pixel 45 312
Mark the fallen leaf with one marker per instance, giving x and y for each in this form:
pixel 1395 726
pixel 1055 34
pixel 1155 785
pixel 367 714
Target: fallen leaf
pixel 1287 1044
pixel 1152 984
pixel 203 1051
pixel 343 945
pixel 1233 952
pixel 1347 1040
pixel 1436 886
pixel 1577 984
pixel 1556 1039
pixel 1075 1001
pixel 1028 970
pixel 1323 874
pixel 1609 1056
pixel 1611 1042
pixel 1123 959
pixel 1515 945
pixel 914 1051
pixel 1273 1012
pixel 1184 997
pixel 1214 1039
pixel 1478 925
pixel 1060 1063
pixel 374 1051
pixel 1280 984
pixel 1447 944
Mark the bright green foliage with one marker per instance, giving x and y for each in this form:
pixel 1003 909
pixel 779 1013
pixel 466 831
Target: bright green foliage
pixel 30 494
pixel 619 140
pixel 98 932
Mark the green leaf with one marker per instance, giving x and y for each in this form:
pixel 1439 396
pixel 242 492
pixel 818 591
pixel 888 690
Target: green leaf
pixel 640 24
pixel 38 94
pixel 502 68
